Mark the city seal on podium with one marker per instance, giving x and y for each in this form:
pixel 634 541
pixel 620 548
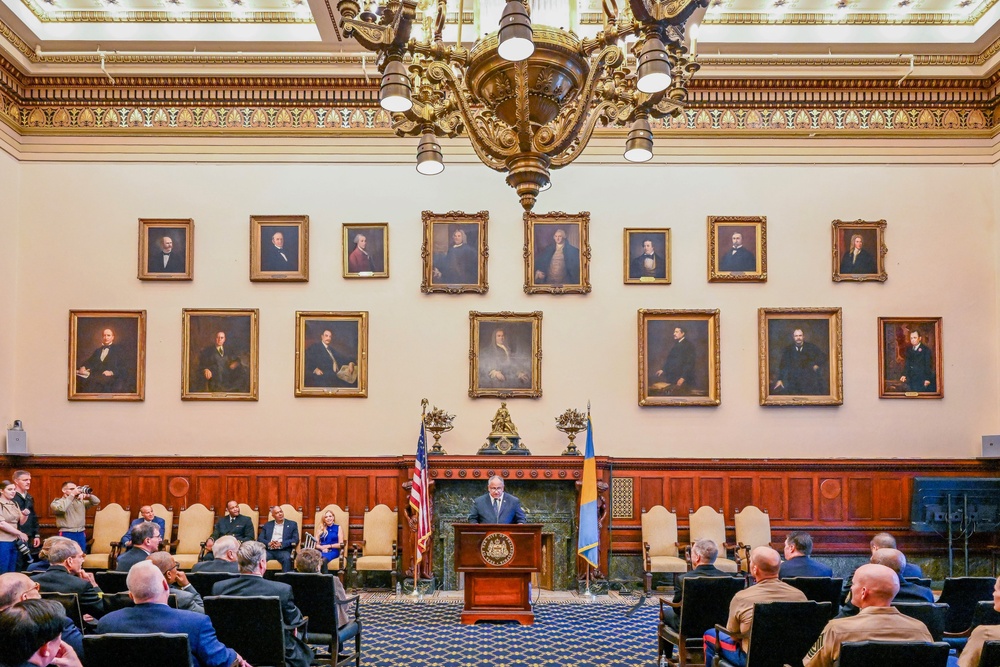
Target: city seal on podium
pixel 497 549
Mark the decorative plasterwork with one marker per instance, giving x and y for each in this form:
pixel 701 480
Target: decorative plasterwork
pixel 187 11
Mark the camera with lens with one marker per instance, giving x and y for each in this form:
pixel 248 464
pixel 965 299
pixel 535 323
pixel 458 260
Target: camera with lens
pixel 23 549
pixel 85 489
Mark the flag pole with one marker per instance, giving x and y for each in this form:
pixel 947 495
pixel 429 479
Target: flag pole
pixel 588 592
pixel 416 533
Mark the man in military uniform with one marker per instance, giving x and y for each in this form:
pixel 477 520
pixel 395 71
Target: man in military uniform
pixel 984 633
pixel 873 589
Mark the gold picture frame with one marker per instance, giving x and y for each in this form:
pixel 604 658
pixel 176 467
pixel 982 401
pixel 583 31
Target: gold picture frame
pixel 679 359
pixel 646 256
pixel 801 356
pixel 107 355
pixel 366 250
pixel 287 263
pixel 209 373
pixel 166 249
pixel 544 273
pixel 729 259
pixel 505 354
pixel 868 263
pixel 331 354
pixel 454 252
pixel 910 357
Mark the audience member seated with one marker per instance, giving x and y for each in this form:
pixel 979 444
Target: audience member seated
pixel 31 635
pixel 329 539
pixel 703 555
pixel 764 566
pixel 252 558
pixel 908 592
pixel 234 523
pixel 280 536
pixel 224 557
pixel 311 560
pixel 873 589
pixel 66 575
pixel 187 597
pixel 146 538
pixel 16 587
pixel 42 562
pixel 887 541
pixel 798 558
pixel 982 634
pixel 149 590
pixel 145 514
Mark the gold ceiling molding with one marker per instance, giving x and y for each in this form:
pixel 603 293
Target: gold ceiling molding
pixel 46 14
pixel 847 18
pixel 17 43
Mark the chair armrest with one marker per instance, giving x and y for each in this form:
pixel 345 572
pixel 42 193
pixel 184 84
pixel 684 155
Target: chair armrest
pixel 645 556
pixel 664 602
pixel 718 654
pixel 958 635
pixel 352 599
pixel 395 554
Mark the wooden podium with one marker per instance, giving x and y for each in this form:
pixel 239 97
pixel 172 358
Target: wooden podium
pixel 498 560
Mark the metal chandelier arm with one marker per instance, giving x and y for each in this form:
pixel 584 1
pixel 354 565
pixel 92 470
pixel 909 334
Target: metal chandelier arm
pixel 566 156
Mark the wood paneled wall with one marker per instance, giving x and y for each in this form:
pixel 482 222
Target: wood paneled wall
pixel 842 502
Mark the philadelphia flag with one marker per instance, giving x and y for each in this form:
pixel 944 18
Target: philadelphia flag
pixel 587 547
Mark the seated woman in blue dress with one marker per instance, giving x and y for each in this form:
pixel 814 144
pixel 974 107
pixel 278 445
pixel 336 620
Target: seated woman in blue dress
pixel 328 538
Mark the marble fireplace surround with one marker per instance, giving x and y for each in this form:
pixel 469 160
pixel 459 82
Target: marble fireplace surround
pixel 548 502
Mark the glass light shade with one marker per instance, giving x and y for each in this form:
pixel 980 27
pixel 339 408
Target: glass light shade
pixel 639 145
pixel 515 33
pixel 429 159
pixel 546 186
pixel 654 69
pixel 394 94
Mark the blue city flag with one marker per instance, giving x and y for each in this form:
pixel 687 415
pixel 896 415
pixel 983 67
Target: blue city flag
pixel 589 539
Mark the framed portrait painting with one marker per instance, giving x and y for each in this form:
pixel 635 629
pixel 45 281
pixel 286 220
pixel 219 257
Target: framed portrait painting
pixel 331 354
pixel 859 251
pixel 219 356
pixel 801 356
pixel 505 354
pixel 647 257
pixel 279 248
pixel 454 252
pixel 366 250
pixel 557 253
pixel 679 357
pixel 107 355
pixel 166 249
pixel 910 357
pixel 737 249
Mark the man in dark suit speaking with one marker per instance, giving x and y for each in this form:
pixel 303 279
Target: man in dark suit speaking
pixel 497 506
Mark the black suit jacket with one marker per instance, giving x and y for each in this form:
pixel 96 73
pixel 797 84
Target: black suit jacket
pixel 289 536
pixel 738 259
pixel 130 558
pixel 175 262
pixel 510 510
pixel 57 579
pixel 100 383
pixel 27 502
pixel 241 528
pixel 216 565
pixel 271 258
pixel 700 571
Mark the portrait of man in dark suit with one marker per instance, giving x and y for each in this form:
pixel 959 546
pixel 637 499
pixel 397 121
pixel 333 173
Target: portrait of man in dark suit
pixel 106 355
pixel 505 355
pixel 220 354
pixel 800 363
pixel 735 256
pixel 677 357
pixel 557 255
pixel 857 259
pixel 911 360
pixel 456 254
pixel 166 251
pixel 279 249
pixel 332 360
pixel 647 255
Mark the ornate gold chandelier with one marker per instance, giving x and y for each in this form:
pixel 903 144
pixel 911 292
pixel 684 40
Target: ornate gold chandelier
pixel 529 96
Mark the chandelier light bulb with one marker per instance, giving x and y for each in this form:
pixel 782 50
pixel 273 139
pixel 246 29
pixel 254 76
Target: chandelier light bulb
pixel 515 35
pixel 547 185
pixel 654 69
pixel 430 162
pixel 394 94
pixel 639 145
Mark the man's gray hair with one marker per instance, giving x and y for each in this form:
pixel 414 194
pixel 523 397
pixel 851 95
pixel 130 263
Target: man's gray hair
pixel 144 581
pixel 358 237
pixel 62 550
pixel 251 555
pixel 495 477
pixel 224 544
pixel 706 549
pixel 884 541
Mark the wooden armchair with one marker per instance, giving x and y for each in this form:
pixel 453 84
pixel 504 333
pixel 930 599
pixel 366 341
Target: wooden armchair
pixel 110 523
pixel 706 523
pixel 659 542
pixel 377 550
pixel 168 519
pixel 753 529
pixel 193 524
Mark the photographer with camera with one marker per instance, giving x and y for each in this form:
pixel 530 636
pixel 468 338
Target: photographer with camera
pixel 11 519
pixel 71 512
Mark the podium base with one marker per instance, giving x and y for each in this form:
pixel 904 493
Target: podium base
pixel 522 617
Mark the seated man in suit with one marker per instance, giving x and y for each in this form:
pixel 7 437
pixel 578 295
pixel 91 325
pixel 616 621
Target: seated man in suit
pixel 703 555
pixel 186 595
pixel 233 523
pixel 16 587
pixel 497 506
pixel 895 561
pixel 311 561
pixel 252 558
pixel 224 557
pixel 873 589
pixel 149 590
pixel 145 514
pixel 764 566
pixel 798 558
pixel 146 538
pixel 881 541
pixel 31 634
pixel 280 536
pixel 66 575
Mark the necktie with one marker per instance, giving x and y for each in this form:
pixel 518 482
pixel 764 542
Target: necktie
pixel 496 507
pixel 220 351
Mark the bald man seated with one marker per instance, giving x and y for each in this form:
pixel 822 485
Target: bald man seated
pixel 765 563
pixel 908 592
pixel 872 592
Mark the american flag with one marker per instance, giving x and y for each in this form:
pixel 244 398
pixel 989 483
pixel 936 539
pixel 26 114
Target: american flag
pixel 420 495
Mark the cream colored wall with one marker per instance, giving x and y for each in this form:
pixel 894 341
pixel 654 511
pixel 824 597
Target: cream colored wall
pixel 78 246
pixel 9 196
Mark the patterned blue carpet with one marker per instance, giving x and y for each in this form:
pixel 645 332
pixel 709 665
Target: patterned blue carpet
pixel 398 634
